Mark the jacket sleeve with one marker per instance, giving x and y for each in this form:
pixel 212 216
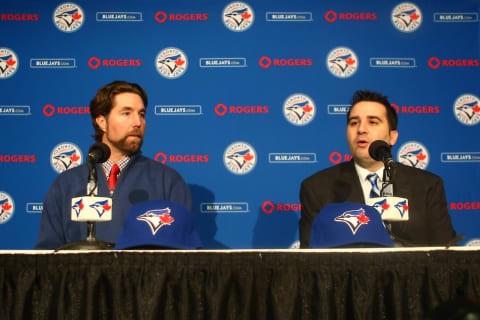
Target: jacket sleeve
pixel 441 229
pixel 308 214
pixel 51 233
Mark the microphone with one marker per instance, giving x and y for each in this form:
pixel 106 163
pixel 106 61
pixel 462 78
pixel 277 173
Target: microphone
pixel 98 153
pixel 379 150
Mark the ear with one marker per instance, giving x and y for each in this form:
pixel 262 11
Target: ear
pixel 101 123
pixel 393 137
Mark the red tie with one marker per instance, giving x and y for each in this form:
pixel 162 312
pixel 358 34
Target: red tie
pixel 112 178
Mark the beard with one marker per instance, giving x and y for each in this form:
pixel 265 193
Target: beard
pixel 128 147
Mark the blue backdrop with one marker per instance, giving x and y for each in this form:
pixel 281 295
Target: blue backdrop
pixel 246 99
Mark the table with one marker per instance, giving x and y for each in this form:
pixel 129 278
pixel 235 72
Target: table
pixel 396 283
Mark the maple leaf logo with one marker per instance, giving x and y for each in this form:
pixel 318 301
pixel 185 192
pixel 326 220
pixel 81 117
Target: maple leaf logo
pixel 414 16
pixel 106 207
pixel 476 108
pixel 80 206
pixel 350 61
pixel 166 218
pixel 421 156
pixel 248 157
pixel 179 61
pixel 246 15
pixel 74 157
pixel 405 207
pixel 385 206
pixel 76 16
pixel 6 206
pixel 11 62
pixel 307 108
pixel 363 218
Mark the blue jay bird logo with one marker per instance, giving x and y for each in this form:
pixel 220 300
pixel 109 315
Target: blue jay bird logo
pixel 68 17
pixel 78 207
pixel 406 17
pixel 402 207
pixel 467 109
pixel 240 158
pixel 157 218
pixel 101 207
pixel 171 63
pixel 65 156
pixel 355 219
pixel 238 16
pixel 414 155
pixel 7 207
pixel 299 109
pixel 8 63
pixel 342 62
pixel 381 206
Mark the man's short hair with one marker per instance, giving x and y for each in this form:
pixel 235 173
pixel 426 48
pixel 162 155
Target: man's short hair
pixel 366 95
pixel 102 103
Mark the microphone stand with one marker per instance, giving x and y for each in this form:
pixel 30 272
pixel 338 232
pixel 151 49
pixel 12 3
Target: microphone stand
pixel 91 242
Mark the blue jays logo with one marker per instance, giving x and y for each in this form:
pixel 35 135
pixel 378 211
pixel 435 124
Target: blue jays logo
pixel 101 207
pixel 299 109
pixel 342 62
pixel 7 207
pixel 171 63
pixel 238 16
pixel 65 156
pixel 8 63
pixel 467 109
pixel 78 207
pixel 406 17
pixel 381 206
pixel 157 218
pixel 354 219
pixel 240 158
pixel 68 17
pixel 413 154
pixel 402 207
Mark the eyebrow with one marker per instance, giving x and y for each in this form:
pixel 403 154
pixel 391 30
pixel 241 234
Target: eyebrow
pixel 368 117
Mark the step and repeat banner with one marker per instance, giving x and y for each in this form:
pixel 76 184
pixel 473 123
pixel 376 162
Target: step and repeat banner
pixel 246 99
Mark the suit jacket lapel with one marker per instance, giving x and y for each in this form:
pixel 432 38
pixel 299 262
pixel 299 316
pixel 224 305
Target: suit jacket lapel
pixel 349 176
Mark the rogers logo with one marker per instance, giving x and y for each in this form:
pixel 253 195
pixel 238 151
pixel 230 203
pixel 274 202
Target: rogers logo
pixel 95 63
pixel 436 63
pixel 332 16
pixel 266 62
pixel 50 110
pixel 416 109
pixel 161 16
pixel 336 157
pixel 163 158
pixel 222 109
pixel 268 207
pixel 19 17
pixel 18 158
pixel 464 205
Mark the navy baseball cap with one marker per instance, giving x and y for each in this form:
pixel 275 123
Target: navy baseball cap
pixel 349 224
pixel 158 224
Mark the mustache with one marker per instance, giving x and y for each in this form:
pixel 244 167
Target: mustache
pixel 136 132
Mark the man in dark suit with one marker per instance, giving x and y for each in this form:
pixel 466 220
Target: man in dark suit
pixel 372 118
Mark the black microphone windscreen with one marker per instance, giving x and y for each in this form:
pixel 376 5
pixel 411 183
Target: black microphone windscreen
pixel 377 149
pixel 99 151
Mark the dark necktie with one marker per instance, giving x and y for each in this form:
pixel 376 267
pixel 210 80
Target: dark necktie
pixel 375 192
pixel 112 178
